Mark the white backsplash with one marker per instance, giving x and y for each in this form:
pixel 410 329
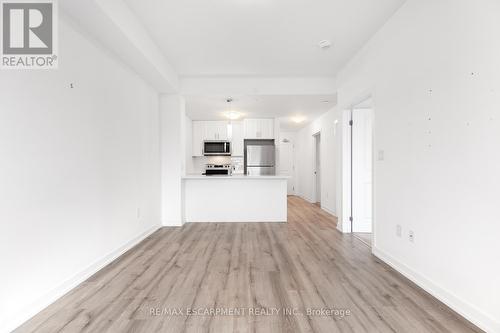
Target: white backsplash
pixel 198 165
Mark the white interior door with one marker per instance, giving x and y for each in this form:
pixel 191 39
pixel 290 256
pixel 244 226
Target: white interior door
pixel 317 171
pixel 362 150
pixel 286 164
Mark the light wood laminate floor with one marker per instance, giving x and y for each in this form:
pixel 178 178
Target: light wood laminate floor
pixel 300 265
pixel 366 237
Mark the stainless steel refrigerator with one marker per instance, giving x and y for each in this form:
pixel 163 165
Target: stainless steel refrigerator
pixel 260 160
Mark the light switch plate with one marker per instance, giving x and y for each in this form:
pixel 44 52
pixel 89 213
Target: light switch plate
pixel 399 230
pixel 380 155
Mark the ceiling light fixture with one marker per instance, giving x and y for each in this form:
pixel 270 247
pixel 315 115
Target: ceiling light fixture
pixel 298 119
pixel 324 44
pixel 231 114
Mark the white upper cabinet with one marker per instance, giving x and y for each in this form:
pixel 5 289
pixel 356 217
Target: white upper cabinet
pixel 259 128
pixel 267 128
pixel 240 130
pixel 237 138
pixel 208 130
pixel 216 130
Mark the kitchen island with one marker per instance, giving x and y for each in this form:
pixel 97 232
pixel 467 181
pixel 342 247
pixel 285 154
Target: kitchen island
pixel 236 198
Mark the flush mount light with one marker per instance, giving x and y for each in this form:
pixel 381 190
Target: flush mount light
pixel 324 44
pixel 298 119
pixel 233 115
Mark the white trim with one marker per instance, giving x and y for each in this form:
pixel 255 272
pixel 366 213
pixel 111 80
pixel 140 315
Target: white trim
pixel 315 137
pixel 329 211
pixel 466 310
pixel 172 224
pixel 29 311
pixel 306 198
pixel 346 171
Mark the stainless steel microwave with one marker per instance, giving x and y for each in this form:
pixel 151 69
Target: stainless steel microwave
pixel 216 148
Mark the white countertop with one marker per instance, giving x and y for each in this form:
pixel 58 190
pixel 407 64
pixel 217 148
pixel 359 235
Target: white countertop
pixel 198 176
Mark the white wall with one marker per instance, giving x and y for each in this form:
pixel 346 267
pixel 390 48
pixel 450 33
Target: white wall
pixel 434 73
pixel 173 154
pixel 329 125
pixel 76 166
pixel 116 26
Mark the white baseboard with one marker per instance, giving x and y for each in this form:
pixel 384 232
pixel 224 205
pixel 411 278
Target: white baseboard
pixel 328 211
pixel 306 198
pixel 363 228
pixel 173 223
pixel 339 223
pixel 40 304
pixel 466 310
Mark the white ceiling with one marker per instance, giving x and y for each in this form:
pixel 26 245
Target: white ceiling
pixel 261 37
pixel 284 107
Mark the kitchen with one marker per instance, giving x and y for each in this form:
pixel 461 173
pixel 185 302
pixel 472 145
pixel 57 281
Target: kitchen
pixel 231 171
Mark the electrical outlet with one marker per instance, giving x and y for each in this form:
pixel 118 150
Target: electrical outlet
pixel 138 212
pixel 399 230
pixel 411 236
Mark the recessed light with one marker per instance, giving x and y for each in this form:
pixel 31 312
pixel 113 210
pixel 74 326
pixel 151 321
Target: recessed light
pixel 324 44
pixel 298 119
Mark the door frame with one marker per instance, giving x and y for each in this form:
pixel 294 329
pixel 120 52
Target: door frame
pixel 314 197
pixel 347 164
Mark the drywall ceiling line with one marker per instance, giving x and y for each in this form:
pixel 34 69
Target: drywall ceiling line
pixel 114 25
